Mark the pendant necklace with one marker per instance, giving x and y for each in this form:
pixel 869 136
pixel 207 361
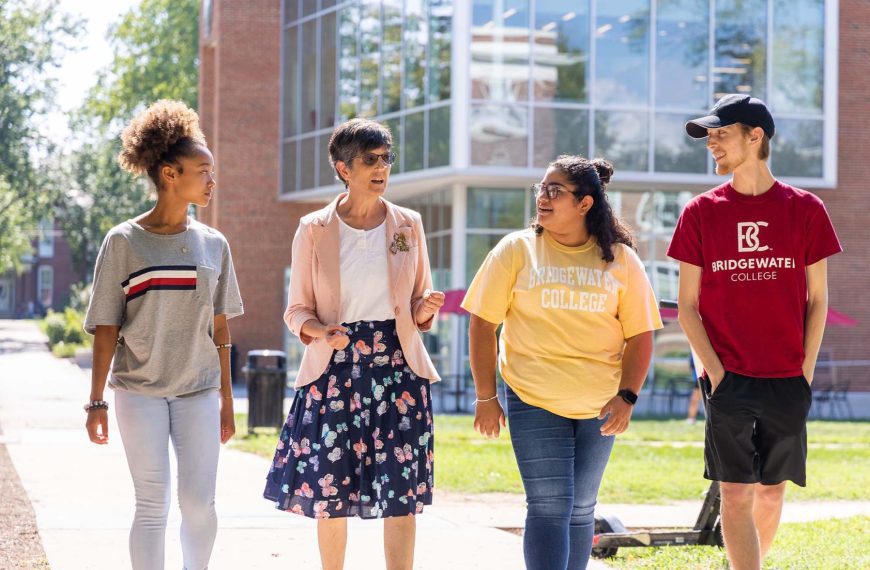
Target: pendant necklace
pixel 184 248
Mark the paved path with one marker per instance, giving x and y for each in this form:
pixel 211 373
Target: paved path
pixel 83 496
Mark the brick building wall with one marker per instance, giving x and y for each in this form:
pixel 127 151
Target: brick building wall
pixel 849 203
pixel 239 109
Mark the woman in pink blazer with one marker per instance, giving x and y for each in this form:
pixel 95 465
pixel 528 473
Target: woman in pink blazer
pixel 358 439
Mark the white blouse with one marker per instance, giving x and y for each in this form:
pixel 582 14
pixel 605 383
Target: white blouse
pixel 365 278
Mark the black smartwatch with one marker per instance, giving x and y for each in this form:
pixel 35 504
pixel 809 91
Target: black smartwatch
pixel 628 396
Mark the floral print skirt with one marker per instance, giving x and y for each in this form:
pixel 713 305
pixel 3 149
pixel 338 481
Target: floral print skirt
pixel 358 441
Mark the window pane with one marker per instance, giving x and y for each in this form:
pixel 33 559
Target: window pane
pixel 490 208
pixel 796 150
pixel 440 22
pixel 324 4
pixel 291 82
pixel 412 143
pixel 309 76
pixel 622 57
pixel 307 163
pixel 45 286
pixel 561 48
pixel 309 7
pixel 682 53
pixel 622 137
pixel 441 266
pixel 478 246
pixel 291 10
pixel 327 173
pixel 370 58
pixel 45 245
pixel 327 71
pixel 439 136
pixel 391 67
pixel 500 50
pixel 414 40
pixel 741 29
pixel 499 135
pixel 675 150
pixel 560 131
pixel 442 218
pixel 348 63
pixel 798 55
pixel 395 126
pixel 288 168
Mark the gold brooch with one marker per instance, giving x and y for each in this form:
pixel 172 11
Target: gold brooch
pixel 400 243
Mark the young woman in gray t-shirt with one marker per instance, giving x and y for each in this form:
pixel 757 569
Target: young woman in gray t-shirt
pixel 164 287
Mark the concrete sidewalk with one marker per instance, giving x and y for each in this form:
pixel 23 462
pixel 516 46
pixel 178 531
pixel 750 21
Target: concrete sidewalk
pixel 83 497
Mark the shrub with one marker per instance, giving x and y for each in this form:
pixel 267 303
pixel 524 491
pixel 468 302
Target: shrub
pixel 73 332
pixel 64 350
pixel 55 327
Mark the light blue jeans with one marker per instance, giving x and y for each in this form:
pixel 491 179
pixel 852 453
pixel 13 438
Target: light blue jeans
pixel 561 462
pixel 147 424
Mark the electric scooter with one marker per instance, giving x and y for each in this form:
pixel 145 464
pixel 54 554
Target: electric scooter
pixel 611 535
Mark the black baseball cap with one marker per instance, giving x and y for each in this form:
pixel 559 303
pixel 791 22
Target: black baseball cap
pixel 731 109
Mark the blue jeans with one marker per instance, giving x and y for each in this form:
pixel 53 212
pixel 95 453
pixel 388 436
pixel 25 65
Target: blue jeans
pixel 561 462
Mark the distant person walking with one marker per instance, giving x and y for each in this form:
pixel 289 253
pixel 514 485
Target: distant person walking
pixel 358 439
pixel 753 301
pixel 578 314
pixel 164 287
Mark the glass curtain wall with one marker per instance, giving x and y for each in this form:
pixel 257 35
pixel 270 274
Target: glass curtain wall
pixel 619 79
pixel 382 59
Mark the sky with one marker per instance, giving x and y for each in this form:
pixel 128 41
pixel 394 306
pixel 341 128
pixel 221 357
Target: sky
pixel 79 69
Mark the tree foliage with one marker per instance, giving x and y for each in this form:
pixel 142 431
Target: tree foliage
pixel 156 47
pixel 33 38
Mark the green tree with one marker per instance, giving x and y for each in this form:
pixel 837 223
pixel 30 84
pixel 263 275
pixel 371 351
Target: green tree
pixel 156 47
pixel 33 38
pixel 102 195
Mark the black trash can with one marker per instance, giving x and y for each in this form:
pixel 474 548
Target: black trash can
pixel 266 376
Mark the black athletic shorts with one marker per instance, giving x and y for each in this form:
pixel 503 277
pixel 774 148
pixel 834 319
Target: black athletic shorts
pixel 756 430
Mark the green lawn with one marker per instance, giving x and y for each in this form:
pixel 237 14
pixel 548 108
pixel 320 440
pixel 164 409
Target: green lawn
pixel 829 544
pixel 654 462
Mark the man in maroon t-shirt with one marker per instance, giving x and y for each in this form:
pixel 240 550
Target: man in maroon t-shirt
pixel 753 302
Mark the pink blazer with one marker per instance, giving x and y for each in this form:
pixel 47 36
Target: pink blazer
pixel 315 286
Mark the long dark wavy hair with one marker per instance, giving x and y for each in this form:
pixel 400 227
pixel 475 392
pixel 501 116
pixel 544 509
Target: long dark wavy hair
pixel 590 178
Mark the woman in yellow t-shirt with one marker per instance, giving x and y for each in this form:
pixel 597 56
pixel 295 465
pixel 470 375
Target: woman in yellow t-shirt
pixel 578 314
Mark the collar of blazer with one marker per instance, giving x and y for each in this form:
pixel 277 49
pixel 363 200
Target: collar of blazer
pixel 325 232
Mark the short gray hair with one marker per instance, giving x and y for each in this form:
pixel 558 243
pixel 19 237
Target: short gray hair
pixel 354 137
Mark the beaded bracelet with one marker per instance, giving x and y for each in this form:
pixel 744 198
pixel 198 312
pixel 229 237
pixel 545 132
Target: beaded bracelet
pixel 96 405
pixel 225 345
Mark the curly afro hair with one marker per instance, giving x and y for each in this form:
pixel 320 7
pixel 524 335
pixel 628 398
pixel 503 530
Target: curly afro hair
pixel 159 135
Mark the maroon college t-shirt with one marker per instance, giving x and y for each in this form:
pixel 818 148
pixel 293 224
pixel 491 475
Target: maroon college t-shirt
pixel 753 251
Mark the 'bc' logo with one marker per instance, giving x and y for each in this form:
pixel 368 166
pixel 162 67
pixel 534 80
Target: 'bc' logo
pixel 747 236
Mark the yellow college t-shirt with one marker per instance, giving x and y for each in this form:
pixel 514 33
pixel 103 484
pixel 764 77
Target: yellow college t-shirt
pixel 566 315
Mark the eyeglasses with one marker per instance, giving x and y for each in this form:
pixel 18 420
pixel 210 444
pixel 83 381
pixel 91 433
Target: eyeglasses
pixel 371 158
pixel 552 191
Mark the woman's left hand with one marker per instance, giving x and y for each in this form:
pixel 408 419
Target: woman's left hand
pixel 432 301
pixel 619 412
pixel 228 420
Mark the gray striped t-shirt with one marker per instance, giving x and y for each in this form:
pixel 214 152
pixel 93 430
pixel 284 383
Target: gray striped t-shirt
pixel 163 291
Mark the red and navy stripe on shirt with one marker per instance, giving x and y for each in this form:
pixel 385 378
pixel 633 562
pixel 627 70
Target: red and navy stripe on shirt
pixel 160 277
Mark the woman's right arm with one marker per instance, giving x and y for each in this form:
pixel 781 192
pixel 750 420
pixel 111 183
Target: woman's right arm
pixel 483 352
pixel 105 338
